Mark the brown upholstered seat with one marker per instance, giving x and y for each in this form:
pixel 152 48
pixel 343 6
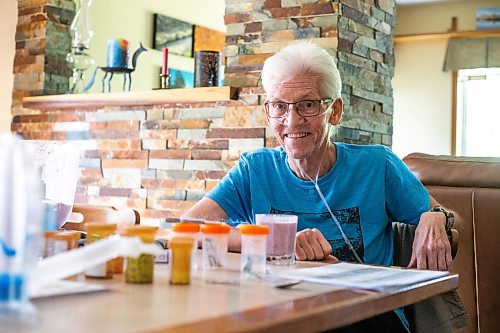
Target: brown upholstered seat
pixel 471 187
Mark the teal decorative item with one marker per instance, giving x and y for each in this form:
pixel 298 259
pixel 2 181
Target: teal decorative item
pixel 117 53
pixel 117 63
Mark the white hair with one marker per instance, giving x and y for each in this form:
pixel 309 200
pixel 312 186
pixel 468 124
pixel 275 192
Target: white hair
pixel 302 58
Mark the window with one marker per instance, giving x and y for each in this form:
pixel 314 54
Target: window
pixel 478 112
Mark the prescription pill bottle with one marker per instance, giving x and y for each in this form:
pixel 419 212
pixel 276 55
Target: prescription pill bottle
pixel 140 270
pixel 214 245
pixel 95 232
pixel 192 230
pixel 71 238
pixel 253 248
pixel 181 252
pixel 52 246
pixel 118 264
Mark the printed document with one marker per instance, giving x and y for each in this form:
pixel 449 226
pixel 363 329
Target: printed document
pixel 362 276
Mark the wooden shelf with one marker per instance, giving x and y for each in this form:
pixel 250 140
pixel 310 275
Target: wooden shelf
pixel 446 35
pixel 132 98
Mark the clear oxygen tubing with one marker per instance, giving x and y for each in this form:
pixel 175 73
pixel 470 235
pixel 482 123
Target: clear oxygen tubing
pixel 315 182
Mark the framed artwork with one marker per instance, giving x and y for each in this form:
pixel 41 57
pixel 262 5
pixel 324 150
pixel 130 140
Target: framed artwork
pixel 208 39
pixel 175 34
pixel 180 79
pixel 488 18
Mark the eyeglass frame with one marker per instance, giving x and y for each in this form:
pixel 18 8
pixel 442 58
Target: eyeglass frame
pixel 321 103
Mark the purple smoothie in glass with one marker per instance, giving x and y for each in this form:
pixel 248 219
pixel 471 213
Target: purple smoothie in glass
pixel 281 239
pixel 63 212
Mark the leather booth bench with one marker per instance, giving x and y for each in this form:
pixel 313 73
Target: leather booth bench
pixel 471 188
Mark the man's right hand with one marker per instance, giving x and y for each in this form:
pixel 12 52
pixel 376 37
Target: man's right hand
pixel 312 245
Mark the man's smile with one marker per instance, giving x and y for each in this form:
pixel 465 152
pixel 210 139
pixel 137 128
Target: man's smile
pixel 297 135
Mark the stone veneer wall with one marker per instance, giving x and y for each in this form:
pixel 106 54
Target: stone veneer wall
pixel 157 159
pixel 161 159
pixel 42 42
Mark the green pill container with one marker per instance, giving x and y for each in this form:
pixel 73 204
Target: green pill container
pixel 140 270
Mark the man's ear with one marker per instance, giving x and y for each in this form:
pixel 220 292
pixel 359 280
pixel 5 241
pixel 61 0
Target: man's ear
pixel 337 109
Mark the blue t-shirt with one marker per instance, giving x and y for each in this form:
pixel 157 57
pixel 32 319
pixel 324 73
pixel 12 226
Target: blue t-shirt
pixel 367 189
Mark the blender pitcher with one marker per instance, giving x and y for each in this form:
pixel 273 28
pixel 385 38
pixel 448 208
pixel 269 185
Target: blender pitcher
pixel 60 170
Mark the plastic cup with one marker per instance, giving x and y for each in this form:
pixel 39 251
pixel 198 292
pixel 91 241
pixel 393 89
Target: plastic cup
pixel 281 239
pixel 253 248
pixel 214 245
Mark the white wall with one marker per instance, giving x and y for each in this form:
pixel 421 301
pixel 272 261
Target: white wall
pixel 133 20
pixel 8 21
pixel 422 91
pixel 422 100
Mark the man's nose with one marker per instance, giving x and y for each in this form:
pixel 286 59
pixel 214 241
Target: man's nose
pixel 293 116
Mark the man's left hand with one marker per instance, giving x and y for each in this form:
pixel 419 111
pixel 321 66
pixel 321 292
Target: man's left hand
pixel 431 247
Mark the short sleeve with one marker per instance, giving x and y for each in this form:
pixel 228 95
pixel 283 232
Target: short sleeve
pixel 232 192
pixel 406 197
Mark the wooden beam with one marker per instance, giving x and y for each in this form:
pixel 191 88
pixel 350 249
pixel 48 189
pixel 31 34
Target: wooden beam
pixel 454 77
pixel 132 98
pixel 446 35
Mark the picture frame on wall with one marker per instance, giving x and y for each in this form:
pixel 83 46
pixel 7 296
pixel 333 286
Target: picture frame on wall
pixel 184 39
pixel 180 79
pixel 176 35
pixel 488 18
pixel 208 39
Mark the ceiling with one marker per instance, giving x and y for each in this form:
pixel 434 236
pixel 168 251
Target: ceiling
pixel 418 2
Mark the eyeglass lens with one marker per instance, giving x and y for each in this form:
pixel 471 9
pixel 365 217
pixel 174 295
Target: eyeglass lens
pixel 303 108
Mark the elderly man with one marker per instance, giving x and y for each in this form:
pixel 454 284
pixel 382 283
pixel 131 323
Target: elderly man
pixel 345 196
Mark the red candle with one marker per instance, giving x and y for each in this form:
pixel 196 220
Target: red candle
pixel 164 69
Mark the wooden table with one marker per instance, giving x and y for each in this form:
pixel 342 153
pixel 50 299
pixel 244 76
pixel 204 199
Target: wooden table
pixel 203 307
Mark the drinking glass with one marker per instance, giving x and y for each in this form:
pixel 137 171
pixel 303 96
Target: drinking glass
pixel 281 239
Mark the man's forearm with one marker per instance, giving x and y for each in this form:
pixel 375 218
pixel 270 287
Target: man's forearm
pixel 234 241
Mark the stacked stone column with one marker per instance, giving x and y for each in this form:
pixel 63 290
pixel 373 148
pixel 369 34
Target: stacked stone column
pixel 357 33
pixel 42 42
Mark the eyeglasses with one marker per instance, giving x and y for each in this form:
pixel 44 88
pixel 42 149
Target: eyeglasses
pixel 308 108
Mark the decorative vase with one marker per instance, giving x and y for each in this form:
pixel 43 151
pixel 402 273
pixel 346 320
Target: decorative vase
pixel 206 68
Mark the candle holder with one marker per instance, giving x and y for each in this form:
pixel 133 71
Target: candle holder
pixel 164 80
pixel 206 68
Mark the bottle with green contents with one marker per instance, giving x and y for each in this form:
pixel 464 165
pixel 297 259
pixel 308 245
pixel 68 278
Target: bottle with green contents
pixel 140 270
